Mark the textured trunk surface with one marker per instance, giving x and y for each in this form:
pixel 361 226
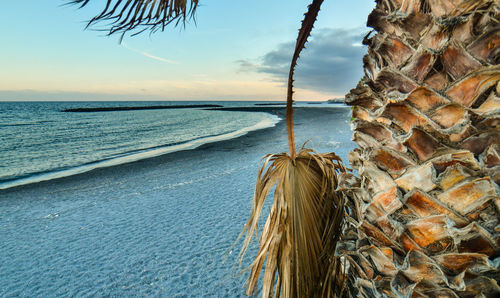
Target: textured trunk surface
pixel 426 220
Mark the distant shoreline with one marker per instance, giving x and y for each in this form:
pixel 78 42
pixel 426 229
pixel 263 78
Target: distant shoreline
pixel 112 109
pixel 279 111
pixel 271 104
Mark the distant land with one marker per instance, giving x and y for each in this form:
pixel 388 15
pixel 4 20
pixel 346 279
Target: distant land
pixel 336 100
pixel 271 104
pixel 111 109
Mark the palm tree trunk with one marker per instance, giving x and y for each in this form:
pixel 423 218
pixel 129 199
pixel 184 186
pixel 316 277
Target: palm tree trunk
pixel 425 220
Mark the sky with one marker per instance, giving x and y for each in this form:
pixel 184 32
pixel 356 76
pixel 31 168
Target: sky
pixel 235 50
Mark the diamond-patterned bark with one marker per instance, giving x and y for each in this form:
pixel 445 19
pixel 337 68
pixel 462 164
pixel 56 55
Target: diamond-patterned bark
pixel 425 219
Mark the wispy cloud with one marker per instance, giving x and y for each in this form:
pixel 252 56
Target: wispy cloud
pixel 146 54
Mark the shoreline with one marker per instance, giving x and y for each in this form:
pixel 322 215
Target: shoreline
pixel 133 157
pixel 278 111
pixel 144 162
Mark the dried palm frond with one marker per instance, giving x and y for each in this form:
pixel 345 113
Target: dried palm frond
pixel 140 15
pixel 298 240
pixel 303 226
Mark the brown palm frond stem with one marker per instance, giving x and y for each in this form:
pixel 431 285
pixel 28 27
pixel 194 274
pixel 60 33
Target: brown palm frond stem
pixel 304 33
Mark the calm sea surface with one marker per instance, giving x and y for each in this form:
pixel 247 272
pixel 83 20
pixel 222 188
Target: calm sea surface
pixel 39 142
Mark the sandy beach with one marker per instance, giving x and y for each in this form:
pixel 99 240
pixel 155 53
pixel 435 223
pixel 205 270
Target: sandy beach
pixel 160 226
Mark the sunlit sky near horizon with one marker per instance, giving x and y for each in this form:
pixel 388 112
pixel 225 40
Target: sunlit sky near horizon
pixel 237 50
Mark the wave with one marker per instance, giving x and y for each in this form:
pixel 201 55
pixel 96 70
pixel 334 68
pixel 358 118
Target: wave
pixel 136 155
pixel 17 124
pixel 26 123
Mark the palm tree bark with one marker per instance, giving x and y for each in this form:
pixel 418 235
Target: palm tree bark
pixel 425 217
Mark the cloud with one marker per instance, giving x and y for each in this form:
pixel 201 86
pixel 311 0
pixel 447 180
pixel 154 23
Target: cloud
pixel 146 54
pixel 331 63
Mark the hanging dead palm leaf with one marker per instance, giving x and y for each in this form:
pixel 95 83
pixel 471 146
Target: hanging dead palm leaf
pixel 300 234
pixel 298 240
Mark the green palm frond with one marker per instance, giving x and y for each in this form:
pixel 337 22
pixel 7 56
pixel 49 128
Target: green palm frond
pixel 140 15
pixel 298 240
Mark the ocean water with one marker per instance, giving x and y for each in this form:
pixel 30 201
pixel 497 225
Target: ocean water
pixel 157 227
pixel 40 142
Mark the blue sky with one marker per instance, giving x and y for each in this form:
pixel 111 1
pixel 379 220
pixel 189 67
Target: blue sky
pixel 237 50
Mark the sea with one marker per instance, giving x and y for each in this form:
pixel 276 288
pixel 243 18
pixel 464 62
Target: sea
pixel 138 203
pixel 38 141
